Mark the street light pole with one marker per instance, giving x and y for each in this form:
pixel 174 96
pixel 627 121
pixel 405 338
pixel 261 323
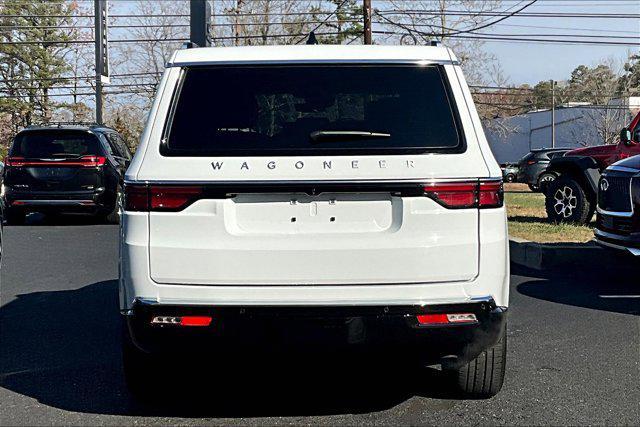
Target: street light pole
pixel 366 10
pixel 102 59
pixel 553 114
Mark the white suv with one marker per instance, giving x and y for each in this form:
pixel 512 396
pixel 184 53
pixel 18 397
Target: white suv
pixel 302 184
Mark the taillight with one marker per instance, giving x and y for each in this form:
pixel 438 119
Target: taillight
pixel 84 161
pixel 173 198
pixel 467 194
pixel 453 194
pixel 531 162
pixel 136 198
pixel 491 194
pixel 159 198
pixel 14 161
pixel 445 319
pixel 91 161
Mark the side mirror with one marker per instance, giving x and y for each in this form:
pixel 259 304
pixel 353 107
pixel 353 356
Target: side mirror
pixel 625 136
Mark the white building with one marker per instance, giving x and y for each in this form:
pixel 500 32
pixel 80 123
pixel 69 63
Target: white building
pixel 576 125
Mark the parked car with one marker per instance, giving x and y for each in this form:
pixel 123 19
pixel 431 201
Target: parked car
pixel 532 168
pixel 64 168
pixel 572 197
pixel 509 172
pixel 307 192
pixel 618 211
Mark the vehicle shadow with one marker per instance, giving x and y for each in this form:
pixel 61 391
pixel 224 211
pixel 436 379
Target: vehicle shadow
pixel 63 349
pixel 585 276
pixel 40 219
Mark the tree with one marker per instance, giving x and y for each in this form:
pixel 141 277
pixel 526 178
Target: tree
pixel 629 82
pixel 32 58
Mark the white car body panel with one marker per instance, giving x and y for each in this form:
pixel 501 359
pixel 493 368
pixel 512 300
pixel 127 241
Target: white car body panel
pixel 380 250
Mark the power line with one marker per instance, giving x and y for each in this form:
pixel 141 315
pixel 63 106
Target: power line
pixel 517 39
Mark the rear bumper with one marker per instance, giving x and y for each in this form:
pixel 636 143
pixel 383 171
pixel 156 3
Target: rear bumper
pixel 322 329
pixel 62 201
pixel 626 242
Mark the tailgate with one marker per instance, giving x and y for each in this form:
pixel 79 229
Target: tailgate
pixel 297 238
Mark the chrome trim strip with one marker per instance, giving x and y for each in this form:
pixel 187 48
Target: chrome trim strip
pixel 612 213
pixel 622 169
pixel 332 303
pixel 295 182
pixel 54 202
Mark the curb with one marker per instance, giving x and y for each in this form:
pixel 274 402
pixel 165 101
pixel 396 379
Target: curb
pixel 543 256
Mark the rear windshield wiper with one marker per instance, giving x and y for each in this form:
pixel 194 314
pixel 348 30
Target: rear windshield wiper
pixel 344 135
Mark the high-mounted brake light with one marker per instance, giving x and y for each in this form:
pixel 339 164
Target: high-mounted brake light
pixel 160 198
pixel 84 161
pixel 466 194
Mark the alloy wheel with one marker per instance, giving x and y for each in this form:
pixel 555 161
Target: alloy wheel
pixel 565 201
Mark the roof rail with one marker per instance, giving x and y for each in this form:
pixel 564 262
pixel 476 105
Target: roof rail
pixel 69 123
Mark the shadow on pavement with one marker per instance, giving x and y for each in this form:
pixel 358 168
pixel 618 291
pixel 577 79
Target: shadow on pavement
pixel 40 219
pixel 601 279
pixel 63 349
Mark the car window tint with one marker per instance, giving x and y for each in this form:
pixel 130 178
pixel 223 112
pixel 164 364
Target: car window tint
pixel 56 143
pixel 270 110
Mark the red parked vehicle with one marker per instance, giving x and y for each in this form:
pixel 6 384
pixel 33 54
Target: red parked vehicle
pixel 572 196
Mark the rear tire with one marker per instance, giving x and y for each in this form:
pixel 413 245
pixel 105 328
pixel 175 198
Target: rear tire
pixel 566 201
pixel 510 178
pixel 483 377
pixel 15 216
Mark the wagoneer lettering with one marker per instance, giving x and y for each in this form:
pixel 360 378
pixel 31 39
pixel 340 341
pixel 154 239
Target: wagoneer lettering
pixel 349 186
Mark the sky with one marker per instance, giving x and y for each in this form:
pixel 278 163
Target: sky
pixel 529 62
pixel 533 62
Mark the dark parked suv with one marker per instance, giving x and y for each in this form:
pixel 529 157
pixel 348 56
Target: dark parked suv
pixel 64 168
pixel 532 168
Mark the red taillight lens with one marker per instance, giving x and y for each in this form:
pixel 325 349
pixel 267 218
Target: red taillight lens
pixel 91 161
pixel 136 198
pixel 173 198
pixel 444 319
pixel 14 161
pixel 432 319
pixel 195 321
pixel 531 162
pixel 491 194
pixel 84 161
pixel 468 194
pixel 159 198
pixel 453 194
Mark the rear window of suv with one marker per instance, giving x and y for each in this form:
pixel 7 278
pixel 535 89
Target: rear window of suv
pixel 312 110
pixel 47 144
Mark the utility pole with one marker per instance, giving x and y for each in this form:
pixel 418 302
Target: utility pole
pixel 200 22
pixel 366 10
pixel 553 114
pixel 237 27
pixel 102 54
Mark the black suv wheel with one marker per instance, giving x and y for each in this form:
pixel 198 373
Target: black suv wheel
pixel 566 201
pixel 483 377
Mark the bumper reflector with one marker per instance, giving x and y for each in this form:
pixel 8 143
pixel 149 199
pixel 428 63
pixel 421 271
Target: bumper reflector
pixel 444 319
pixel 182 320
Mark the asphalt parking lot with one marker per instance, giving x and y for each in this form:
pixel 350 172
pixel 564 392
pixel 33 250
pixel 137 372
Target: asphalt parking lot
pixel 574 353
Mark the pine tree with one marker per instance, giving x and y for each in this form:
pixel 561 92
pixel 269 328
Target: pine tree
pixel 33 43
